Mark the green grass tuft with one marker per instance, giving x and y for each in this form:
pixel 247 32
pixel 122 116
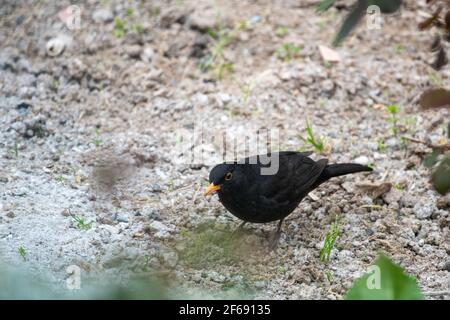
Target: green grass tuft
pixel 330 240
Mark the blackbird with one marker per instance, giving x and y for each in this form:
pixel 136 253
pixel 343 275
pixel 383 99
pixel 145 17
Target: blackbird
pixel 259 198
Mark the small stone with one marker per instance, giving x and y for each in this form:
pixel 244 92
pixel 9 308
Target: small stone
pixel 155 188
pixel 56 46
pixel 334 210
pixel 348 186
pixel 122 218
pixel 133 51
pixel 424 210
pixel 363 160
pixel 393 196
pixel 147 54
pixel 408 200
pixel 102 15
pixel 443 202
pixel 216 277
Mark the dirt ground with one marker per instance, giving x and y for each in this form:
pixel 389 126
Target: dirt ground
pixel 93 173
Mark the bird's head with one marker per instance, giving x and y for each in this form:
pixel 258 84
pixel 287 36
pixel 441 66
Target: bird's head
pixel 222 177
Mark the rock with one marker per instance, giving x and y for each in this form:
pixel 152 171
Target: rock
pixel 147 54
pixel 329 54
pixel 19 192
pixel 348 186
pixel 199 47
pixel 161 230
pixel 76 69
pixel 133 51
pixel 363 160
pixel 57 45
pixel 334 211
pixel 424 210
pixel 170 258
pixel 202 19
pixel 443 202
pixel 223 98
pixel 408 200
pixel 102 16
pixel 155 188
pixel 171 16
pixel 122 218
pixel 216 277
pixel 393 196
pixel 153 214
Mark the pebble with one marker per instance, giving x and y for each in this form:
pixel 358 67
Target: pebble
pixel 133 51
pixel 57 45
pixel 147 54
pixel 424 210
pixel 161 230
pixel 102 16
pixel 393 196
pixel 170 258
pixel 363 160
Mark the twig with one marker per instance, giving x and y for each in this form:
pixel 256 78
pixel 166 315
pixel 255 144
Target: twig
pixel 444 147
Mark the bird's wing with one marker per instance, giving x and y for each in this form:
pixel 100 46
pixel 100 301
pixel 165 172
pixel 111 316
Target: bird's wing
pixel 296 175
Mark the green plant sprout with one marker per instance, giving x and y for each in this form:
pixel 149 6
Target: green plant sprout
pixel 97 141
pixel 23 253
pixel 81 224
pixel 287 51
pixel 318 144
pixel 282 31
pixel 15 151
pixel 399 186
pixel 381 146
pixel 393 110
pixel 119 28
pixel 217 63
pixel 399 49
pixel 329 275
pixel 330 240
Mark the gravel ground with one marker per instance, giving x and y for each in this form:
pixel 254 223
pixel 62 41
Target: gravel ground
pixel 90 129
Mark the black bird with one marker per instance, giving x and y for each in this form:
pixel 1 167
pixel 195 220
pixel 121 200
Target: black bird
pixel 254 197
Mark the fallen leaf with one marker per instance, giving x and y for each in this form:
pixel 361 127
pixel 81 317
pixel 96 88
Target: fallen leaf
pixel 329 55
pixel 435 98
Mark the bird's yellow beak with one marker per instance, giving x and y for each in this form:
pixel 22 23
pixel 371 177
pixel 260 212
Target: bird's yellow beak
pixel 211 189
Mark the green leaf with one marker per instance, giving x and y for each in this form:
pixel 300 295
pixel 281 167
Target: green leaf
pixel 351 21
pixel 388 6
pixel 431 159
pixel 324 5
pixel 441 177
pixel 435 98
pixel 385 281
pixel 359 11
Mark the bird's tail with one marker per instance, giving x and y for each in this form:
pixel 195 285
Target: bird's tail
pixel 340 169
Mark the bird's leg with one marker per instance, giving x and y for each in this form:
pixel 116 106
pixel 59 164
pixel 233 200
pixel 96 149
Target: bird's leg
pixel 239 229
pixel 276 236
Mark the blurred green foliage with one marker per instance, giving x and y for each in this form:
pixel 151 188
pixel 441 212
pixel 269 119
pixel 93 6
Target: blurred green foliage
pixel 385 281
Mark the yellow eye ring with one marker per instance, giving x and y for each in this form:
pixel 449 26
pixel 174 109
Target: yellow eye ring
pixel 228 176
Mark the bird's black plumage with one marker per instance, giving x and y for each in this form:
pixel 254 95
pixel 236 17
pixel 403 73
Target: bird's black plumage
pixel 258 198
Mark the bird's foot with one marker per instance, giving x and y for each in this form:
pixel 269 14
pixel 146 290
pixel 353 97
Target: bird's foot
pixel 273 245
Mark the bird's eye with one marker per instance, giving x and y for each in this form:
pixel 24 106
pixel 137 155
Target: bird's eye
pixel 228 176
